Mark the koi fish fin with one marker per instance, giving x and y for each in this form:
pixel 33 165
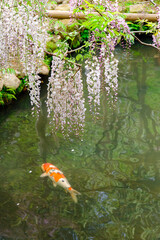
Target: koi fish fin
pixel 73 193
pixel 74 197
pixel 76 192
pixel 54 184
pixel 44 175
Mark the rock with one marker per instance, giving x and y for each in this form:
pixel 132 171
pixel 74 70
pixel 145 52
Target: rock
pixel 68 24
pixel 1 84
pixel 51 46
pixel 138 8
pixel 66 1
pixel 51 6
pixel 59 1
pixel 17 66
pixel 63 7
pixel 44 70
pixel 10 80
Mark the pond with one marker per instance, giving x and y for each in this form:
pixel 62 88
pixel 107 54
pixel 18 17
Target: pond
pixel 115 164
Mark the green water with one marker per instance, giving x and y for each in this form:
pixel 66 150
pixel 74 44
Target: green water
pixel 115 166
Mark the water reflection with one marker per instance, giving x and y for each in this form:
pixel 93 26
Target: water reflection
pixel 115 167
pixel 48 142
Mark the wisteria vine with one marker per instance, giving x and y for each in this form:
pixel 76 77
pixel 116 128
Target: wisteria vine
pixel 23 35
pixel 65 101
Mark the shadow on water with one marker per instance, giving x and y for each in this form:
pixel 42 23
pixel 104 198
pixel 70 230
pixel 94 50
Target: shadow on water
pixel 116 166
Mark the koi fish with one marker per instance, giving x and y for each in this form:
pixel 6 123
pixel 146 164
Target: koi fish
pixel 58 178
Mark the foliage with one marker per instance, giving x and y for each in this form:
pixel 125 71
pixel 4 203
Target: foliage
pixel 85 35
pixel 6 95
pixel 48 60
pixel 9 94
pixel 142 25
pixel 115 167
pixel 8 70
pixel 24 34
pixel 50 46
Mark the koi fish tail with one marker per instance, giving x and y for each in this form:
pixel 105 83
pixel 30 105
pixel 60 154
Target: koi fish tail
pixel 73 193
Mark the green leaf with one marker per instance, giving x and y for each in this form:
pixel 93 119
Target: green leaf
pixel 11 90
pixel 53 2
pixel 79 57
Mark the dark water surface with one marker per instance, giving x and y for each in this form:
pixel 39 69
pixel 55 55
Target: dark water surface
pixel 116 166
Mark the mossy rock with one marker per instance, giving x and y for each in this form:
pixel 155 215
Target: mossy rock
pixel 51 46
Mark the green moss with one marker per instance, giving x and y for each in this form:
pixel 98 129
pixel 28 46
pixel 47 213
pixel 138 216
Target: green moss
pixel 51 46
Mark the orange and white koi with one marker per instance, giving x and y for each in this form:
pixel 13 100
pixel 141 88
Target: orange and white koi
pixel 58 178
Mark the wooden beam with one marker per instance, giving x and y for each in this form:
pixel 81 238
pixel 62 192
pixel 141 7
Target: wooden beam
pixel 128 16
pixel 141 16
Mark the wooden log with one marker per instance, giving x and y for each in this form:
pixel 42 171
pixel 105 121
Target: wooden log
pixel 141 16
pixel 65 14
pixel 128 16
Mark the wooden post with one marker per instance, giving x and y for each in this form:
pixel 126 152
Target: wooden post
pixel 128 16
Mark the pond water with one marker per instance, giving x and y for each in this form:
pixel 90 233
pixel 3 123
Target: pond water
pixel 115 164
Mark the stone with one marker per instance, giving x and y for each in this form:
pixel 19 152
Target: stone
pixel 51 46
pixel 66 1
pixel 44 70
pixel 138 8
pixel 63 7
pixel 10 80
pixel 51 6
pixel 17 66
pixel 1 84
pixel 68 24
pixel 59 1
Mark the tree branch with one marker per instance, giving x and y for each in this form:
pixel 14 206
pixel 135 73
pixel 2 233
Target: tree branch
pixel 143 43
pixel 153 3
pixel 74 50
pixel 53 54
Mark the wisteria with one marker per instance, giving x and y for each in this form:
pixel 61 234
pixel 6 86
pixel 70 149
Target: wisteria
pixel 111 78
pixel 23 35
pixel 93 82
pixel 156 37
pixel 65 101
pixel 74 4
pixel 98 75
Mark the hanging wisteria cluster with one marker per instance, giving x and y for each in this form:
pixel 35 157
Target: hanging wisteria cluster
pixel 65 101
pixel 102 69
pixel 98 74
pixel 23 36
pixel 93 79
pixel 111 78
pixel 156 37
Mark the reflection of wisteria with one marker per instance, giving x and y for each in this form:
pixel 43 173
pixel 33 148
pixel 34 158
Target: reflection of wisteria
pixel 105 74
pixel 111 77
pixel 65 100
pixel 93 81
